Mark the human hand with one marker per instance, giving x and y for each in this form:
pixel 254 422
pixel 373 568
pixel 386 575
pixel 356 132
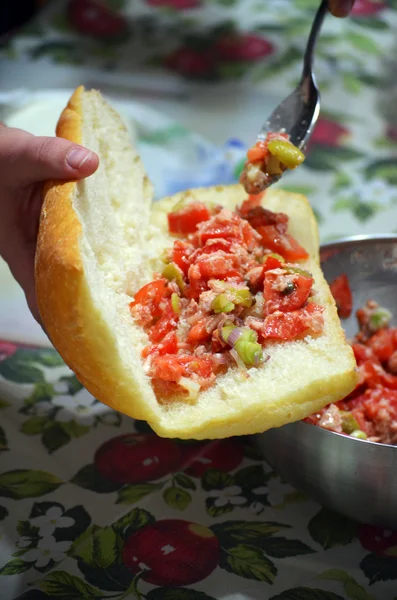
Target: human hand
pixel 341 8
pixel 26 162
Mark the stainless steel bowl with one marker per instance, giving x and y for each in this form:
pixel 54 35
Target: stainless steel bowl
pixel 353 477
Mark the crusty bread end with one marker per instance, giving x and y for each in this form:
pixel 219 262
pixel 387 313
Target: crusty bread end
pixel 100 240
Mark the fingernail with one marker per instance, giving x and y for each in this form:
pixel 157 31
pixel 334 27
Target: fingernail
pixel 77 157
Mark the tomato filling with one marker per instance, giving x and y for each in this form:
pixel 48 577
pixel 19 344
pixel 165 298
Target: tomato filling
pixel 230 284
pixel 266 161
pixel 370 411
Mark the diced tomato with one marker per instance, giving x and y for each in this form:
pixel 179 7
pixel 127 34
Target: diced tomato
pixel 261 217
pixel 340 289
pixel 211 246
pixel 186 219
pixel 256 276
pixel 167 322
pixel 195 288
pixel 282 243
pixel 233 276
pixel 169 345
pixel 291 325
pixel 212 266
pixel 284 300
pixel 271 262
pixel 257 153
pixel 229 227
pixel 181 254
pixel 146 303
pixel 250 203
pixel 171 367
pixel 361 352
pixel 383 344
pixel 375 375
pixel 198 333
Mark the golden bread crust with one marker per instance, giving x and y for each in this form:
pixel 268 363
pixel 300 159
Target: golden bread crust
pixel 87 343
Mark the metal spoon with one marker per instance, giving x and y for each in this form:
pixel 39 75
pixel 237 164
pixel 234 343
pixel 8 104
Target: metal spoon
pixel 298 113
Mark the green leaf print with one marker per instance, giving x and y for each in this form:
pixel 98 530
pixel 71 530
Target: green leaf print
pixel 283 548
pixel 303 593
pixel 177 594
pixel 35 425
pixel 89 478
pixel 372 23
pixel 251 477
pixel 135 519
pixel 177 498
pixel 16 566
pixel 68 587
pixel 19 371
pixel 330 529
pixel 42 392
pixel 74 430
pixel 55 436
pixel 25 529
pixel 353 590
pixel 384 169
pixel 364 43
pixel 3 440
pixel 328 158
pixel 217 511
pixel 104 543
pixel 216 480
pixel 379 568
pixel 250 532
pixel 248 562
pixel 3 513
pixel 22 483
pixel 184 481
pixel 130 494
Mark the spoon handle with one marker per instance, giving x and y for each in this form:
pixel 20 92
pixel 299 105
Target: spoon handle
pixel 311 43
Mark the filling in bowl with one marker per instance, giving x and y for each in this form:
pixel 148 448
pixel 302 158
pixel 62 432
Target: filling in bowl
pixel 370 411
pixel 232 283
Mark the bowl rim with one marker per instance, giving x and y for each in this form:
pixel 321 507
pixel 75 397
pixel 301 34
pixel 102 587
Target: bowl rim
pixel 349 241
pixel 360 239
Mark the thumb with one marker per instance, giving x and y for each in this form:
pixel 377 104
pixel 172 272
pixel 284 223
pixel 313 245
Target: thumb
pixel 27 159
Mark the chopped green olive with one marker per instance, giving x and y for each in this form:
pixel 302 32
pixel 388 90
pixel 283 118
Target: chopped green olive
pixel 176 303
pixel 242 297
pixel 221 304
pixel 171 272
pixel 349 423
pixel 165 257
pixel 298 271
pixel 288 154
pixel 289 289
pixel 381 317
pixel 250 352
pixel 358 434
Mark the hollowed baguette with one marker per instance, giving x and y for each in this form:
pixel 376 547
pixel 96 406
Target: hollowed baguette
pixel 101 239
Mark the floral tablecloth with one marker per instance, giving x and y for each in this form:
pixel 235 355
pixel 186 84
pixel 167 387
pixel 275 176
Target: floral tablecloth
pixel 93 505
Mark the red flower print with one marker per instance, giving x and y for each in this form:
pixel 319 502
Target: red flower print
pixel 248 47
pixel 172 552
pixel 365 8
pixel 187 61
pixel 223 455
pixel 379 541
pixel 94 18
pixel 137 457
pixel 7 349
pixel 329 133
pixel 177 4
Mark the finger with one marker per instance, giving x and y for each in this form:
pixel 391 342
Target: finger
pixel 27 159
pixel 340 8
